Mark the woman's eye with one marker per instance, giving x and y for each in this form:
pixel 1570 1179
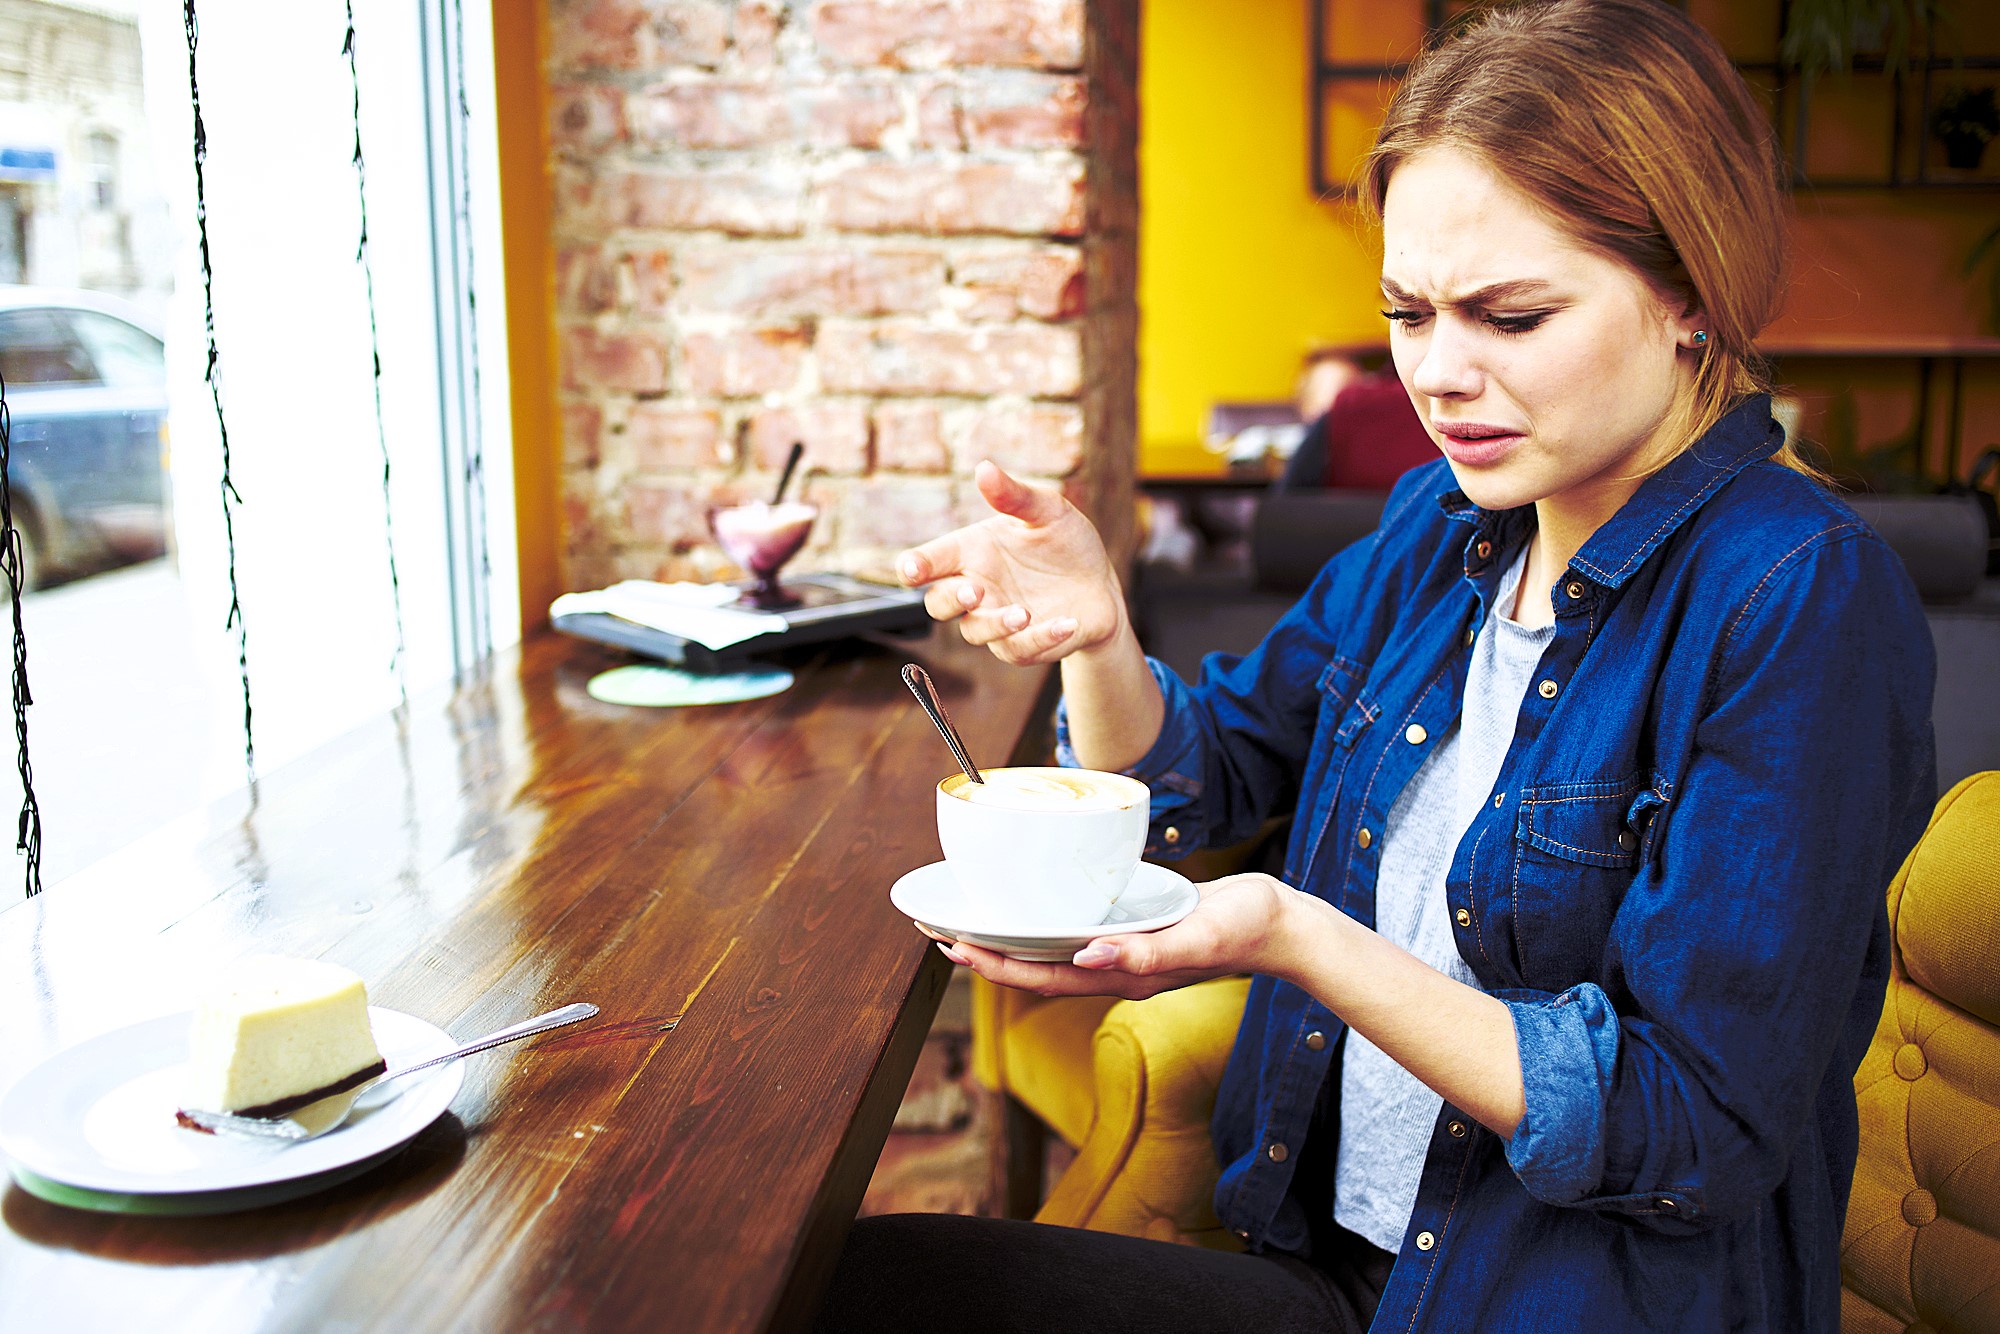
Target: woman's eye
pixel 1516 324
pixel 1407 318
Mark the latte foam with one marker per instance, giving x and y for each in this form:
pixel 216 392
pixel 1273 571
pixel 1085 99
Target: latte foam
pixel 1049 790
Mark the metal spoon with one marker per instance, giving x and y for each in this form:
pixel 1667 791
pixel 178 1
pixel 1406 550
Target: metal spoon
pixel 919 682
pixel 316 1118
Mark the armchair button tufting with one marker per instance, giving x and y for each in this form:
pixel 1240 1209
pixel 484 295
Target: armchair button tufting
pixel 1910 1062
pixel 1315 1041
pixel 1277 1153
pixel 1920 1207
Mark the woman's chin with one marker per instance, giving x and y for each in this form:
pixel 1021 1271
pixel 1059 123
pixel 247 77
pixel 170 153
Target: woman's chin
pixel 1492 488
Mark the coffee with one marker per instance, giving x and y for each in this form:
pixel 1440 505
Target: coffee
pixel 1048 790
pixel 1042 849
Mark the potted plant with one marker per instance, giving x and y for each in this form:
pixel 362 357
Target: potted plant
pixel 1965 121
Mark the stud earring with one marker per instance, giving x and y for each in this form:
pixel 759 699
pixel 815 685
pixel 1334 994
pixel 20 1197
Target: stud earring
pixel 1701 338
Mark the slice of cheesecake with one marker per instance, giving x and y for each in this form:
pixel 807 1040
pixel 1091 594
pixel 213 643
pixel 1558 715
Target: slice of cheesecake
pixel 278 1034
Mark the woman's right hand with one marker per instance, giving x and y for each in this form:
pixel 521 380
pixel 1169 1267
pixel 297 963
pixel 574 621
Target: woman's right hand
pixel 1032 583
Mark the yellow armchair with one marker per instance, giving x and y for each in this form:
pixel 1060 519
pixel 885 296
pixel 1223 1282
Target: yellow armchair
pixel 1922 1246
pixel 1129 1085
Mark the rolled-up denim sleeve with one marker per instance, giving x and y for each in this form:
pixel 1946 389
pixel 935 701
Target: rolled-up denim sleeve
pixel 1745 942
pixel 1569 1060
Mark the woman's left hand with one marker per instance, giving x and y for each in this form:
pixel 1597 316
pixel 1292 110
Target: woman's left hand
pixel 1236 928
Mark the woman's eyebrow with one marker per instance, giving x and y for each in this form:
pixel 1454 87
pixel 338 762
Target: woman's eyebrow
pixel 1514 289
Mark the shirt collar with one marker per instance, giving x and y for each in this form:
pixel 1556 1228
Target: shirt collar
pixel 1745 435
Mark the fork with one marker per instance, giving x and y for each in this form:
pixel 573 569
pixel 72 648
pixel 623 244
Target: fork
pixel 318 1117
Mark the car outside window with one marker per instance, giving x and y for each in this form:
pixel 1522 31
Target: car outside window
pixel 126 357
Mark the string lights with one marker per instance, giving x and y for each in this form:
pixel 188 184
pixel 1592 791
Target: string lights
pixel 28 838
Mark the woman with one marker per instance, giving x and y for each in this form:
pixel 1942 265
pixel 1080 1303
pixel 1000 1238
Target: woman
pixel 1603 750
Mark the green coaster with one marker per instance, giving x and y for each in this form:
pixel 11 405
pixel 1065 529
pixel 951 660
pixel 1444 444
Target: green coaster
pixel 669 687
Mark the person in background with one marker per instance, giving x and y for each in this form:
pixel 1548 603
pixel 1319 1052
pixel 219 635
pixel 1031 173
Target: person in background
pixel 1603 749
pixel 1364 433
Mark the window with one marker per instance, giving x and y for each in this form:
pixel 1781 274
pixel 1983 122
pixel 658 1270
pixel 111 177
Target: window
pixel 138 716
pixel 37 348
pixel 124 356
pixel 101 154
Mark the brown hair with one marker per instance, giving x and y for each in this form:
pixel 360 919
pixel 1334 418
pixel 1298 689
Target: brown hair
pixel 1627 122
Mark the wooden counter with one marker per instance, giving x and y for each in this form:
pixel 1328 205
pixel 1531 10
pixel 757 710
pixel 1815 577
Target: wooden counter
pixel 715 878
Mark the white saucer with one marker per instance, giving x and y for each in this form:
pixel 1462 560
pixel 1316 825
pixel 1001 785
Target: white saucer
pixel 930 897
pixel 100 1115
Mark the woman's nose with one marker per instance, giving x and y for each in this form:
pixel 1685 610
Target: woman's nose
pixel 1448 368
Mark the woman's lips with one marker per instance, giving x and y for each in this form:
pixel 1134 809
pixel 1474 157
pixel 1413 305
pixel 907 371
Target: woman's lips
pixel 1477 445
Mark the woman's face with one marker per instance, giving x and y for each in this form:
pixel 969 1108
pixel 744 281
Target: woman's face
pixel 1542 369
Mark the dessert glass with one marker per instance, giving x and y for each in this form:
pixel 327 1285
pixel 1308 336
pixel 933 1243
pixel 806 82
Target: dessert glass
pixel 761 537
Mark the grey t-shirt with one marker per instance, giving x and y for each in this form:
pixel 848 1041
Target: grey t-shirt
pixel 1386 1115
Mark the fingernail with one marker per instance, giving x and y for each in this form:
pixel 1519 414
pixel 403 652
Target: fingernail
pixel 1096 954
pixel 1014 618
pixel 910 568
pixel 949 953
pixel 967 595
pixel 1062 627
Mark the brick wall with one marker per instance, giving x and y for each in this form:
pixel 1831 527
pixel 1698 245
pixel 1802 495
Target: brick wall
pixel 902 231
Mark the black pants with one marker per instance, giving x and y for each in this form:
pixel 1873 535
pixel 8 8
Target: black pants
pixel 943 1272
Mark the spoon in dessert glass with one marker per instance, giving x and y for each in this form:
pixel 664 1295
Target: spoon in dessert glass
pixel 317 1118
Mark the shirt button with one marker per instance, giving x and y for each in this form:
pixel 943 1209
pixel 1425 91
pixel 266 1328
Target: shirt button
pixel 1666 1203
pixel 1315 1041
pixel 1457 1129
pixel 1547 689
pixel 1277 1153
pixel 1470 634
pixel 1425 1241
pixel 1172 836
pixel 1243 1232
pixel 1498 797
pixel 1364 838
pixel 1462 917
pixel 1484 549
pixel 1574 589
pixel 1416 734
pixel 1627 840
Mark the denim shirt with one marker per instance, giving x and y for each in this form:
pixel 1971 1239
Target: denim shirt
pixel 1677 887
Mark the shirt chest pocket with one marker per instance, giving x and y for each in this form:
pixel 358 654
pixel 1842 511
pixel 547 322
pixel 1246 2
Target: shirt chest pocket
pixel 1576 851
pixel 1345 712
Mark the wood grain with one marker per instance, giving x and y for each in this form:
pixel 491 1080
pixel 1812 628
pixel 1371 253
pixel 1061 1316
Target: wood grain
pixel 716 879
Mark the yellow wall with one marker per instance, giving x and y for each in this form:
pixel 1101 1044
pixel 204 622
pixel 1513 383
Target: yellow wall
pixel 1241 271
pixel 518 28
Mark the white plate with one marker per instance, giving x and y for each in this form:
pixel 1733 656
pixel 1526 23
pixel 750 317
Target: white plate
pixel 100 1115
pixel 930 897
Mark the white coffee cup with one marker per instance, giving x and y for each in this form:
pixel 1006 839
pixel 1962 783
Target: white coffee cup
pixel 1043 849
